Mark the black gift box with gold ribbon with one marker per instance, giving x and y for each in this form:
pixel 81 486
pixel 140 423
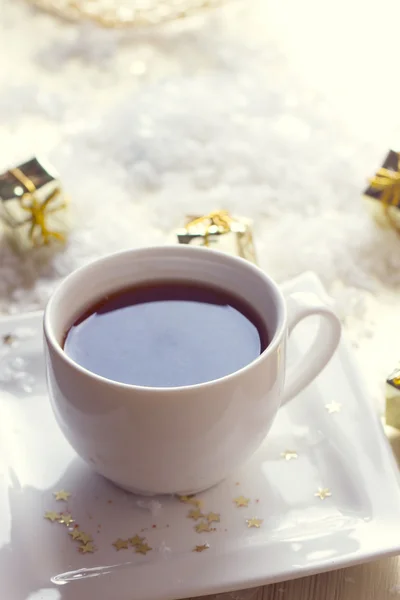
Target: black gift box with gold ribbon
pixel 383 192
pixel 393 399
pixel 32 205
pixel 221 231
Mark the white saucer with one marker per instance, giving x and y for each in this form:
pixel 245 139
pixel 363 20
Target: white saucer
pixel 301 534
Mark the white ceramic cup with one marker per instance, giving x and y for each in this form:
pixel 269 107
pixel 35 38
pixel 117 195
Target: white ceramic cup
pixel 184 439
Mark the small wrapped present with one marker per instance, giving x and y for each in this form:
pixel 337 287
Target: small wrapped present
pixel 393 399
pixel 32 205
pixel 221 231
pixel 383 192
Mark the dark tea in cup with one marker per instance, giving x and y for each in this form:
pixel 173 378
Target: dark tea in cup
pixel 167 334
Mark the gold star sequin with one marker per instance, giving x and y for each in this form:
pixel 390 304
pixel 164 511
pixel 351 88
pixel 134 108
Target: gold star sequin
pixel 136 540
pixel 254 522
pixel 61 495
pixel 203 526
pixel 89 547
pixel 241 501
pixel 142 548
pixel 121 544
pixel 51 516
pixel 213 517
pixel 323 493
pixel 289 454
pixel 201 548
pixel 85 537
pixel 195 514
pixel 333 407
pixel 76 534
pixel 66 519
pixel 185 499
pixel 190 500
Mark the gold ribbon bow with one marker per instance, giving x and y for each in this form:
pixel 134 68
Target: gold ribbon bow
pixel 39 233
pixel 388 183
pixel 218 219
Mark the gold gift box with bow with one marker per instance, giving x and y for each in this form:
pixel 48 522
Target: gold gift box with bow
pixel 383 192
pixel 32 205
pixel 220 231
pixel 393 399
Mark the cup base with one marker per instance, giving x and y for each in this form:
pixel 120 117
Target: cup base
pixel 136 491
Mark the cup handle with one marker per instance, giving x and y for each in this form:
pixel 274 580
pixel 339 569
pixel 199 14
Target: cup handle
pixel 300 306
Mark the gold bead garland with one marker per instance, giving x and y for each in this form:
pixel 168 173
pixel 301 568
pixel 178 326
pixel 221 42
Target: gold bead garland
pixel 119 14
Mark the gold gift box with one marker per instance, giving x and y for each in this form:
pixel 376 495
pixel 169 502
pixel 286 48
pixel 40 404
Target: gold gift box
pixel 393 399
pixel 32 205
pixel 383 192
pixel 220 231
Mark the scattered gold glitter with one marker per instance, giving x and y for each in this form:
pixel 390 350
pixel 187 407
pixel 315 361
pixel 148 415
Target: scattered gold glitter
pixel 65 519
pixel 85 537
pixel 142 548
pixel 241 501
pixel 76 534
pixel 136 540
pixel 195 514
pixel 51 516
pixel 213 517
pixel 323 493
pixel 289 454
pixel 254 522
pixel 203 526
pixel 201 548
pixel 333 407
pixel 89 547
pixel 61 495
pixel 121 544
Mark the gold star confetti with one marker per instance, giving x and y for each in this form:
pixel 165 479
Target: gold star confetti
pixel 289 454
pixel 323 493
pixel 203 526
pixel 66 519
pixel 333 407
pixel 136 540
pixel 185 499
pixel 254 522
pixel 190 500
pixel 76 534
pixel 61 495
pixel 51 516
pixel 241 501
pixel 85 537
pixel 89 547
pixel 213 517
pixel 201 548
pixel 195 514
pixel 142 548
pixel 121 544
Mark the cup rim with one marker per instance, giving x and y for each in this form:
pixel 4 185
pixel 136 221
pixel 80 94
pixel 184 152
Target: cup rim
pixel 276 293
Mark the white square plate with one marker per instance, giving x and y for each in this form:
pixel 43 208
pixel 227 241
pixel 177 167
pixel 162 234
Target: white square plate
pixel 301 534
